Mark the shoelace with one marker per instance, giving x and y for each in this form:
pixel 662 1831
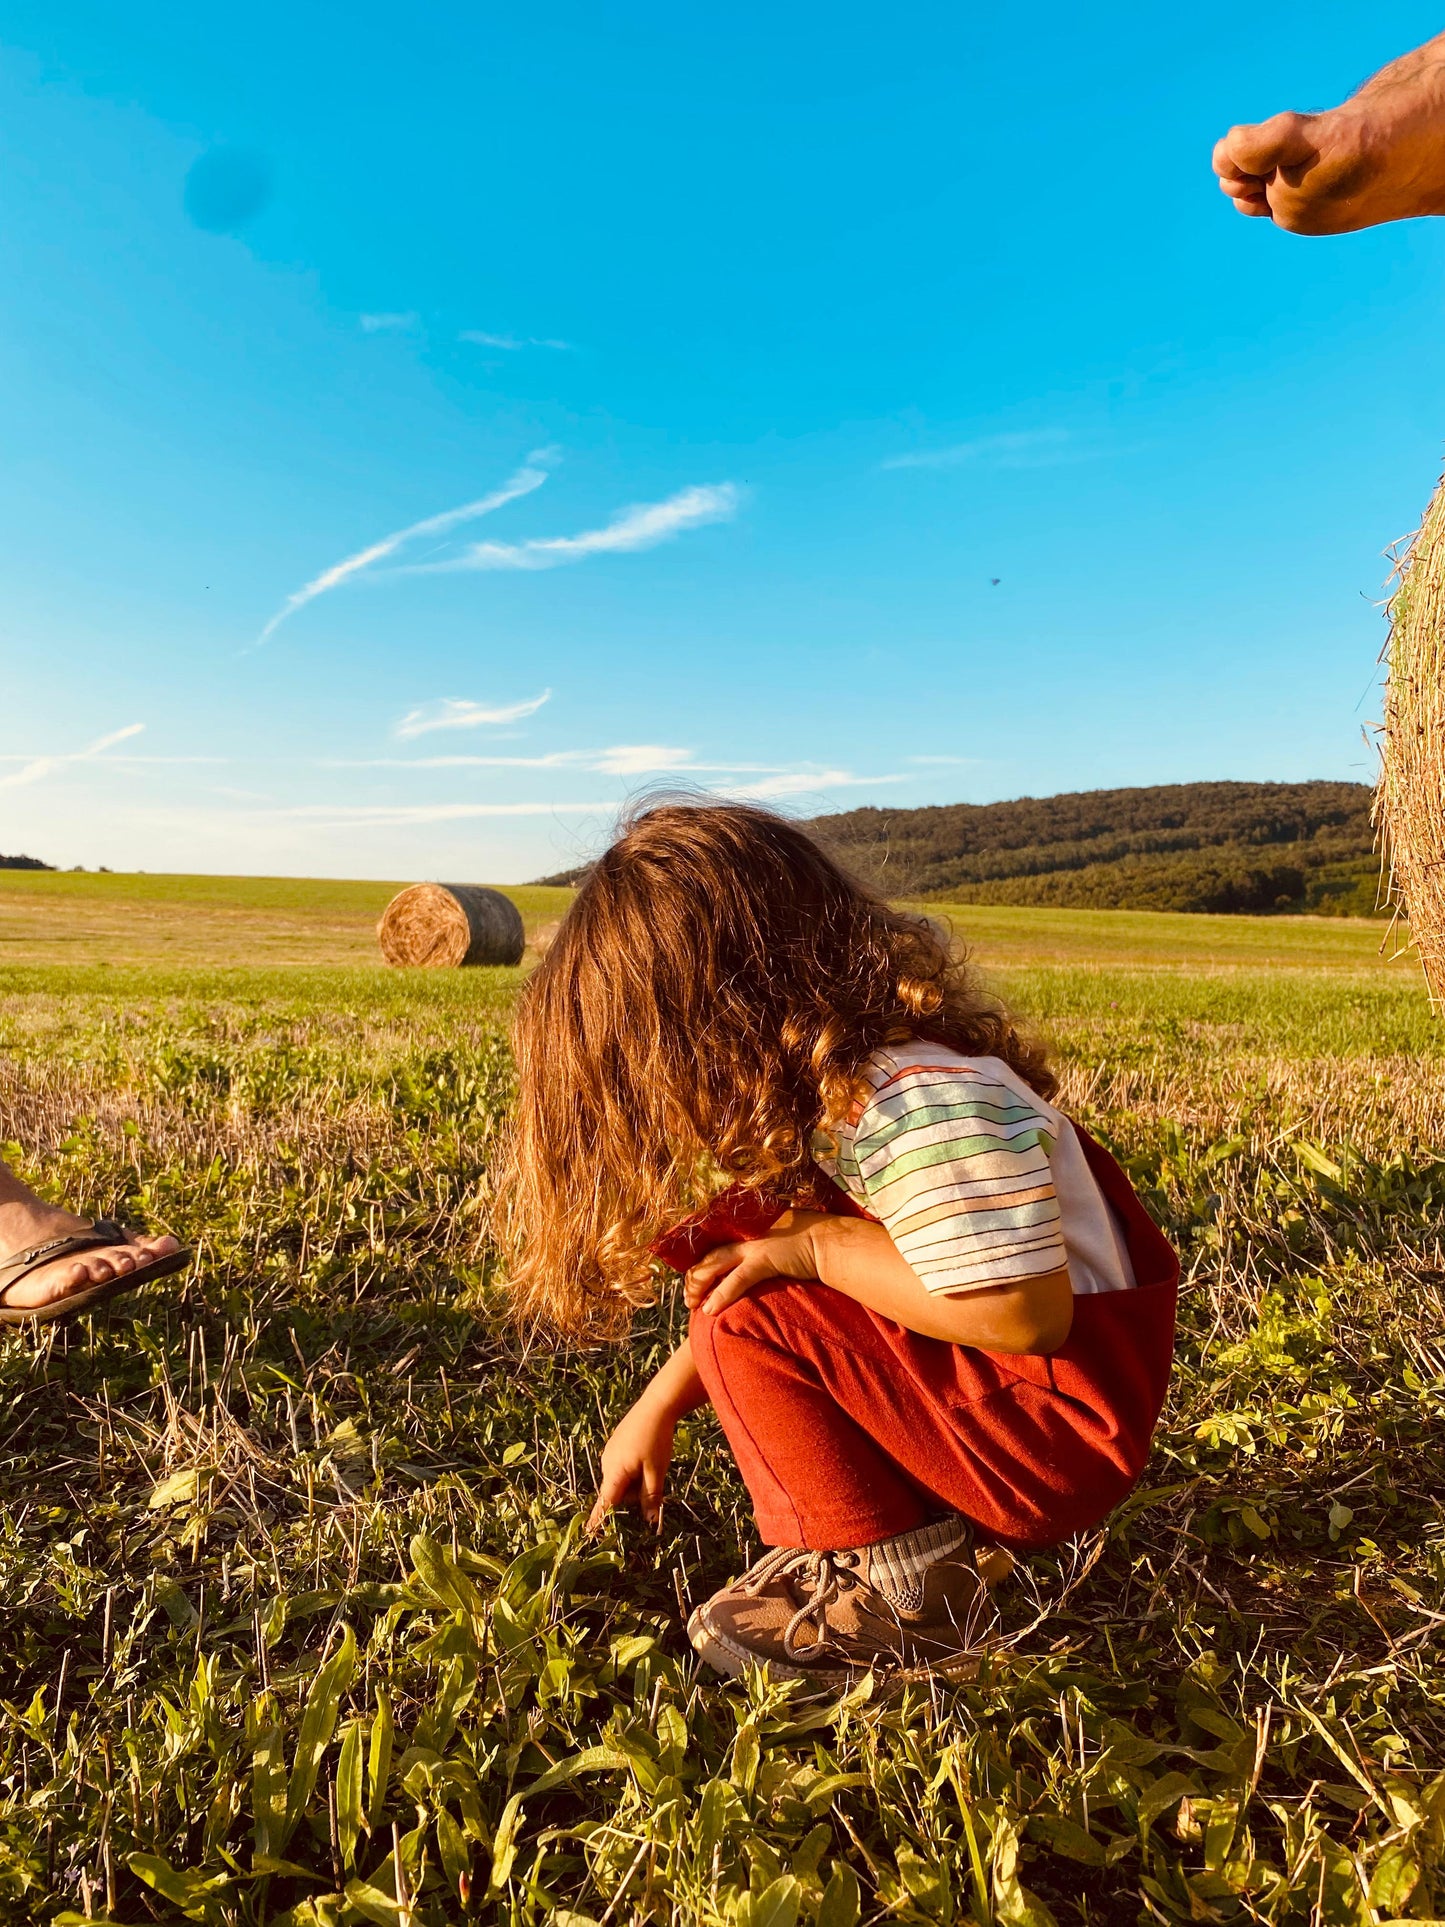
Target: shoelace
pixel 829 1574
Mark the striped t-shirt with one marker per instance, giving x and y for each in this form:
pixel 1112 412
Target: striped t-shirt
pixel 975 1177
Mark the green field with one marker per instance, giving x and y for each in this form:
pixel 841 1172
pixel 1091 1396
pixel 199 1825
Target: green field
pixel 73 917
pixel 298 1625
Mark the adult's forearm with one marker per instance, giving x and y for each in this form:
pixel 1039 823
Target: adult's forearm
pixel 1408 69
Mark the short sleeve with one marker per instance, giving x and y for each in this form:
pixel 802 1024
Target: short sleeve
pixel 956 1167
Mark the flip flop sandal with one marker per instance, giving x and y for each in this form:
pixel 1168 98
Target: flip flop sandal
pixel 103 1234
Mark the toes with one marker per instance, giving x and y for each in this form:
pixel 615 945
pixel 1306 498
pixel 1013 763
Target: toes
pixel 142 1253
pixel 95 1268
pixel 120 1261
pixel 66 1277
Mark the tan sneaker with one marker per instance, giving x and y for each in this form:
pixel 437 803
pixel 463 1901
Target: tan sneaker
pixel 828 1616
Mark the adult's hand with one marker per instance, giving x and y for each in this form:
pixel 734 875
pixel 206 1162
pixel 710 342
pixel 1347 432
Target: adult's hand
pixel 1378 157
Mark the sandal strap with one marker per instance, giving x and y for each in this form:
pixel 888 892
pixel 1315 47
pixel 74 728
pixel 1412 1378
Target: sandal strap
pixel 103 1233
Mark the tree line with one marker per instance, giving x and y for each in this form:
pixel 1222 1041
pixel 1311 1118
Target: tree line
pixel 1231 847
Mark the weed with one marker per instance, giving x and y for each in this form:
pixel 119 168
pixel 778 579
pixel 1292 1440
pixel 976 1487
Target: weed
pixel 299 1626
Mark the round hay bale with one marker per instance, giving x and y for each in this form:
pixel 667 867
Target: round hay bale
pixel 445 926
pixel 1410 800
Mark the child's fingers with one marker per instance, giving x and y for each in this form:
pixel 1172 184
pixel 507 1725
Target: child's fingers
pixel 654 1482
pixel 737 1284
pixel 708 1270
pixel 613 1491
pixel 695 1290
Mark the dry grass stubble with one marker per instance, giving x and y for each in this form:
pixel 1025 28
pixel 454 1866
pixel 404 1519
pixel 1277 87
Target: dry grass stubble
pixel 299 1628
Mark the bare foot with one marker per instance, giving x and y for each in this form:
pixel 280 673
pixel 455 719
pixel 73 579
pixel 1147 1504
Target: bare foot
pixel 26 1222
pixel 1380 157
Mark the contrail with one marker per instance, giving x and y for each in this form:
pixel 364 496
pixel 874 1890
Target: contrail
pixel 531 475
pixel 642 527
pixel 43 765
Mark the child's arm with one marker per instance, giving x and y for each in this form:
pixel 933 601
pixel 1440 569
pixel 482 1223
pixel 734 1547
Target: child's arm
pixel 857 1257
pixel 636 1457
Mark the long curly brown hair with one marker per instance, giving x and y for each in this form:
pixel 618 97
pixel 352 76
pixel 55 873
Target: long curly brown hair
pixel 706 1005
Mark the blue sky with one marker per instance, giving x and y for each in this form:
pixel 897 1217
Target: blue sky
pixel 847 406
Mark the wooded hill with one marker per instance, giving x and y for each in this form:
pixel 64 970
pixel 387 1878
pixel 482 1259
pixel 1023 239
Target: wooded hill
pixel 1243 847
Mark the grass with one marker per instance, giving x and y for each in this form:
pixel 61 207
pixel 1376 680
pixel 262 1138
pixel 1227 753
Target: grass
pixel 62 917
pixel 1167 939
pixel 298 1623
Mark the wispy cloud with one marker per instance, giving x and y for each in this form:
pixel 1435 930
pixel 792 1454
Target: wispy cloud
pixel 646 759
pixel 122 761
pixel 380 815
pixel 510 343
pixel 36 767
pixel 803 782
pixel 379 324
pixel 391 815
pixel 641 527
pixel 531 475
pixel 1003 449
pixel 1028 448
pixel 557 759
pixel 619 759
pixel 457 712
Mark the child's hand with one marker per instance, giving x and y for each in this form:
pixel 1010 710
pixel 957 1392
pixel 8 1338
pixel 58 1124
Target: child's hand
pixel 728 1272
pixel 635 1461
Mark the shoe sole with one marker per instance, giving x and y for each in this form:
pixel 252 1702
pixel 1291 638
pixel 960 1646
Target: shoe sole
pixel 719 1652
pixel 733 1661
pixel 71 1306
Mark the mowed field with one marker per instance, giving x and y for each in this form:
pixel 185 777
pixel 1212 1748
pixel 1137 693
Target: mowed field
pixel 87 917
pixel 298 1622
pixel 55 917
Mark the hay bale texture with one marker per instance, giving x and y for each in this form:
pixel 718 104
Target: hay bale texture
pixel 447 926
pixel 1410 802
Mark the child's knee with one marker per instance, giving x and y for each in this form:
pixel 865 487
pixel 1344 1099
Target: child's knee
pixel 728 1346
pixel 714 1332
pixel 767 1312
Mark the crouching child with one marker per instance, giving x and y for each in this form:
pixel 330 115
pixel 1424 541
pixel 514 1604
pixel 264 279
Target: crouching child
pixel 930 1313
